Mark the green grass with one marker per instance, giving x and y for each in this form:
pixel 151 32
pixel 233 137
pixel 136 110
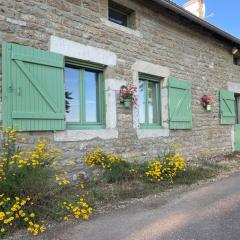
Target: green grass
pixel 193 174
pixel 103 193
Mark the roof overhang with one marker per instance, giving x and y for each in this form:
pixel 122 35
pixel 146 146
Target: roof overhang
pixel 184 13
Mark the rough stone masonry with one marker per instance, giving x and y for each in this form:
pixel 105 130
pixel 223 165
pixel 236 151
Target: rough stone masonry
pixel 160 40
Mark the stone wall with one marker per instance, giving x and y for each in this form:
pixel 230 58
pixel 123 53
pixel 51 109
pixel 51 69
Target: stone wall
pixel 160 38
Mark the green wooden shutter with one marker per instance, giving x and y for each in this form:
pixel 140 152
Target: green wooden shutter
pixel 33 89
pixel 227 107
pixel 180 104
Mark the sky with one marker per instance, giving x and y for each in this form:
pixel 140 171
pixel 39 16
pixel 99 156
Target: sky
pixel 224 14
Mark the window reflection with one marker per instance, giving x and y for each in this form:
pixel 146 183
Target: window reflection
pixel 152 102
pixel 149 112
pixel 117 17
pixel 72 93
pixel 141 100
pixel 91 96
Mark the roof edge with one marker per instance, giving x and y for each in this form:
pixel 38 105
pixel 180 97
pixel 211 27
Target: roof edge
pixel 182 12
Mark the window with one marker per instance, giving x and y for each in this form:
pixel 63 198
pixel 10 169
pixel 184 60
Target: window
pixel 237 107
pixel 120 15
pixel 84 96
pixel 236 60
pixel 149 101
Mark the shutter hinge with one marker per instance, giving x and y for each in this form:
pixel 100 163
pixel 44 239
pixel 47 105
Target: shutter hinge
pixel 10 88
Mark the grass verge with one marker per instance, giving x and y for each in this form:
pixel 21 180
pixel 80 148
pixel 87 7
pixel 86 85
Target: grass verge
pixel 101 194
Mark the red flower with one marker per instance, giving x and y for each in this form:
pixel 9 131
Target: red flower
pixel 207 99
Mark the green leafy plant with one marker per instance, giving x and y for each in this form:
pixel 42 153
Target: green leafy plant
pixel 120 171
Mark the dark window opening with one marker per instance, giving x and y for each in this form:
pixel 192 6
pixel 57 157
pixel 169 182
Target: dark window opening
pixel 120 14
pixel 237 107
pixel 117 17
pixel 236 60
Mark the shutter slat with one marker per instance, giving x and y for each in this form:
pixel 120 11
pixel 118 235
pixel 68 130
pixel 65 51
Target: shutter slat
pixel 34 115
pixel 39 60
pixel 180 104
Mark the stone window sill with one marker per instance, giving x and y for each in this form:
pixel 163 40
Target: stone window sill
pixel 152 133
pixel 118 27
pixel 83 135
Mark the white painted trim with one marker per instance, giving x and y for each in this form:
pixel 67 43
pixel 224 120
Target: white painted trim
pixel 112 87
pixel 83 135
pixel 162 72
pixel 152 133
pixel 164 106
pixel 114 84
pixel 121 28
pixel 80 51
pixel 234 87
pixel 150 68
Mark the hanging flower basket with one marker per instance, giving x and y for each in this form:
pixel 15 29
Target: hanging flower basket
pixel 207 102
pixel 127 103
pixel 209 107
pixel 128 96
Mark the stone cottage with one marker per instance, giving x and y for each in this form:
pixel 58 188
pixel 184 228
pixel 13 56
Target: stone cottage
pixel 65 61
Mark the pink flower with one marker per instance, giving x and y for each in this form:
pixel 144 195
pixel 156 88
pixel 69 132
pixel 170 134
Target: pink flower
pixel 128 93
pixel 207 99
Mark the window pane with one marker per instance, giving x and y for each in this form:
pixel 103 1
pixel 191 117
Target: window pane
pixel 91 96
pixel 117 17
pixel 141 100
pixel 152 102
pixel 72 93
pixel 237 102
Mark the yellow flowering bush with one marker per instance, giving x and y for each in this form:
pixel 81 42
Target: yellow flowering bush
pixel 61 180
pixel 25 171
pixel 100 159
pixel 115 168
pixel 31 184
pixel 79 209
pixel 17 210
pixel 154 171
pixel 167 167
pixel 172 163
